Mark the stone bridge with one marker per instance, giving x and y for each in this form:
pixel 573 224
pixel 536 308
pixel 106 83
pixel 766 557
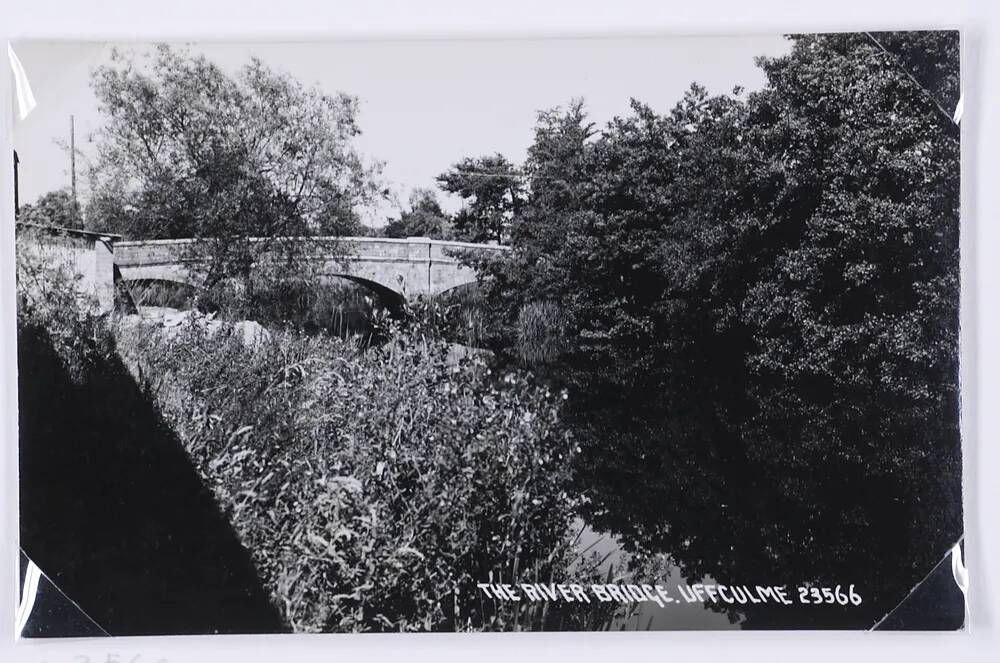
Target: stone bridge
pixel 398 268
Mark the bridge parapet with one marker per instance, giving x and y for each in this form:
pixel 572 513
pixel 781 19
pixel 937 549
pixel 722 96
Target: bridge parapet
pixel 408 267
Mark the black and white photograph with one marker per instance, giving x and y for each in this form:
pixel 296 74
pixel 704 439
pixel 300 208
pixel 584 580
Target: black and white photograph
pixel 653 333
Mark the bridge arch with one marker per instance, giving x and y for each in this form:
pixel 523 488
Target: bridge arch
pixel 393 300
pixel 461 292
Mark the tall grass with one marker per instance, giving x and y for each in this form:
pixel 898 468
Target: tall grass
pixel 375 489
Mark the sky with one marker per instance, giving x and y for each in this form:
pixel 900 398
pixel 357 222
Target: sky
pixel 425 104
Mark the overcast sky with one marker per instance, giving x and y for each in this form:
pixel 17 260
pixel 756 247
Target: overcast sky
pixel 424 104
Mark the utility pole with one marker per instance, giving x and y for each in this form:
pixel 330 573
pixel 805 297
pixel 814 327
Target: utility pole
pixel 72 157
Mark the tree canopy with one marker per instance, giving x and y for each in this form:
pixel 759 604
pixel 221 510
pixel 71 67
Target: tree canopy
pixel 424 218
pixel 493 191
pixel 188 150
pixel 753 299
pixel 55 208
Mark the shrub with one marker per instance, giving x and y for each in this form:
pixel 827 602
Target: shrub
pixel 542 329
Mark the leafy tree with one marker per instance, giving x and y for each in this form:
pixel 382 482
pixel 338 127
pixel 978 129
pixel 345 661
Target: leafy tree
pixel 189 151
pixel 55 208
pixel 493 192
pixel 930 58
pixel 753 300
pixel 425 218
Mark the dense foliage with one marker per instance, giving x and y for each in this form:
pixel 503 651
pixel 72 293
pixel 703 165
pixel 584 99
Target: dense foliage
pixel 374 489
pixel 492 190
pixel 753 300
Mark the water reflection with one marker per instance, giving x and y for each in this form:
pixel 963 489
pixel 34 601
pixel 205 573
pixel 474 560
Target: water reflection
pixel 677 616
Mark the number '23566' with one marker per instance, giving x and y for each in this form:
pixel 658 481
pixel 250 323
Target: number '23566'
pixel 815 595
